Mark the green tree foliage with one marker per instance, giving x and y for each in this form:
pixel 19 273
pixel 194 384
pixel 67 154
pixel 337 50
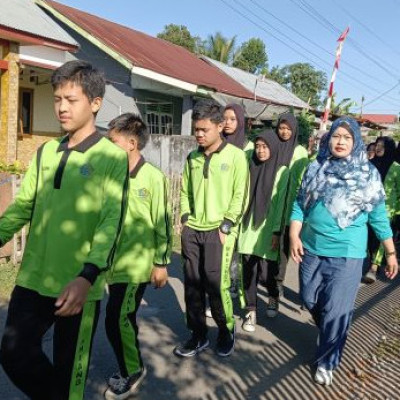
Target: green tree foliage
pixel 306 125
pixel 342 107
pixel 220 48
pixel 303 80
pixel 180 35
pixel 251 56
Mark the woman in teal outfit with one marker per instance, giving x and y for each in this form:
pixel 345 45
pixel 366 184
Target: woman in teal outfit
pixel 340 193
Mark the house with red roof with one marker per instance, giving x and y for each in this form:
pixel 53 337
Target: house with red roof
pixel 382 119
pixel 31 46
pixel 162 78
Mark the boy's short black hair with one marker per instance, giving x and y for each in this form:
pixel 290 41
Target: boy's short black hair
pixel 208 109
pixel 83 74
pixel 131 124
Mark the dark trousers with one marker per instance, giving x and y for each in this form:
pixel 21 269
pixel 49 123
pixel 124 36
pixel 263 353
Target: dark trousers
pixel 207 270
pixel 30 316
pixel 284 257
pixel 258 270
pixel 121 326
pixel 328 288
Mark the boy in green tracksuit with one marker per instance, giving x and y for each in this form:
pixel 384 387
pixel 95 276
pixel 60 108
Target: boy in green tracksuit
pixel 73 195
pixel 141 257
pixel 214 189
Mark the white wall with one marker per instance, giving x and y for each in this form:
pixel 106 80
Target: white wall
pixel 44 119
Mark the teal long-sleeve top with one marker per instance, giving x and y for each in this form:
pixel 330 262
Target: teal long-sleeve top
pixel 322 236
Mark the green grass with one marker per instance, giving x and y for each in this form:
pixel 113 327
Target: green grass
pixel 8 273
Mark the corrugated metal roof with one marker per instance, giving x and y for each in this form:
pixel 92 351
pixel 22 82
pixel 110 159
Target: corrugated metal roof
pixel 261 87
pixel 152 53
pixel 25 16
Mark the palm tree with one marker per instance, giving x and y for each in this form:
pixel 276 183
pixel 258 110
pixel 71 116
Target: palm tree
pixel 221 48
pixel 343 107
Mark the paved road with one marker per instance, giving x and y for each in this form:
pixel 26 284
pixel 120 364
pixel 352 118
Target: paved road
pixel 270 364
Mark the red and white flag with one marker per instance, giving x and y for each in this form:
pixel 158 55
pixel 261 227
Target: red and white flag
pixel 341 40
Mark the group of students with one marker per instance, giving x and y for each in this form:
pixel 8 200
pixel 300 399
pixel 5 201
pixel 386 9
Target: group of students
pixel 99 213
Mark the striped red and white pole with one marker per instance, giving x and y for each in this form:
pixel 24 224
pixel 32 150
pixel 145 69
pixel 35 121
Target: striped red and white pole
pixel 335 69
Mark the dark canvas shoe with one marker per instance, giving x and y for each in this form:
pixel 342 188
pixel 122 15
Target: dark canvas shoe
pixel 114 379
pixel 226 343
pixel 125 387
pixel 192 347
pixel 273 307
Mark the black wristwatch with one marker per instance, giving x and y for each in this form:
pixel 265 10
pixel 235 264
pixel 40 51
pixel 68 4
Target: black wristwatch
pixel 226 226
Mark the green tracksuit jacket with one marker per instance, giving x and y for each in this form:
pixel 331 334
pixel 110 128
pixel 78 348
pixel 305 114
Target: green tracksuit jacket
pixel 75 201
pixel 297 167
pixel 146 234
pixel 214 188
pixel 258 241
pixel 392 190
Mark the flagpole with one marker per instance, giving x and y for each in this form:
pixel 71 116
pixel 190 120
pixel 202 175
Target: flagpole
pixel 335 69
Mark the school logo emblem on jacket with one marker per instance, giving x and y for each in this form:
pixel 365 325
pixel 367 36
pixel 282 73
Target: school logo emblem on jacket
pixel 86 170
pixel 224 167
pixel 143 193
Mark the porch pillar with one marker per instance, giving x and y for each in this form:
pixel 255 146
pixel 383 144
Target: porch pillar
pixel 187 109
pixel 9 83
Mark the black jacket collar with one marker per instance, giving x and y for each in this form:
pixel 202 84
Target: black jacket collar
pixel 137 168
pixel 83 146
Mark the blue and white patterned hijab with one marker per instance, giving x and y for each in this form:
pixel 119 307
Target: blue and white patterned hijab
pixel 346 186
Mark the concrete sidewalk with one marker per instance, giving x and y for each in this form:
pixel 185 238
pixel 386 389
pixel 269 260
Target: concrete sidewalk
pixel 272 363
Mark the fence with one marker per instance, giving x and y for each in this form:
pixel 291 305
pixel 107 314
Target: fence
pixel 9 186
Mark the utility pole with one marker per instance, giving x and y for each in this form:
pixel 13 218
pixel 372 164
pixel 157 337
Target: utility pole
pixel 362 104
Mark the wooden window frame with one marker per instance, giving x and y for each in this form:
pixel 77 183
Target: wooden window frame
pixel 20 121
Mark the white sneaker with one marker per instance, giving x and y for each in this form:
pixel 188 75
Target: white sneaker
pixel 273 307
pixel 323 376
pixel 208 312
pixel 249 323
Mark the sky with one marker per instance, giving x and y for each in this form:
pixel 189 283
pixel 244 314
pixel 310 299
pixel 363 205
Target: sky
pixel 293 31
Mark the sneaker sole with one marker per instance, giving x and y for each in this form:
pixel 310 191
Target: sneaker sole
pixel 194 352
pixel 272 313
pixel 248 328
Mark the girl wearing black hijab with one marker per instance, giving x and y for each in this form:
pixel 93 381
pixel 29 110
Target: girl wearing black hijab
pixel 234 128
pixel 257 243
pixel 385 153
pixel 384 161
pixel 295 157
pixel 234 133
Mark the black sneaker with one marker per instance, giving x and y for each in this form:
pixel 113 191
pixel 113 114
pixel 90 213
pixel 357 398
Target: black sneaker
pixel 192 347
pixel 226 343
pixel 125 387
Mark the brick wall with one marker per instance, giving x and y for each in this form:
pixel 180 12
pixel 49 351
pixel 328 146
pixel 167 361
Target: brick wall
pixel 9 104
pixel 5 200
pixel 28 144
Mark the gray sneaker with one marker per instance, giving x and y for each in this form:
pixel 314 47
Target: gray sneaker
pixel 126 386
pixel 114 379
pixel 273 307
pixel 249 323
